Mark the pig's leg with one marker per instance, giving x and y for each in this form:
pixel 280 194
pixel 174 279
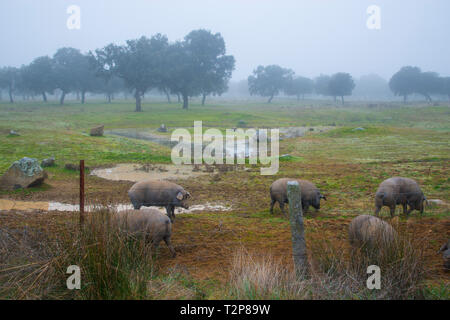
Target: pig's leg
pixel 392 210
pixel 272 202
pixel 405 209
pixel 282 208
pixel 377 210
pixel 169 245
pixel 411 208
pixel 170 212
pixel 305 209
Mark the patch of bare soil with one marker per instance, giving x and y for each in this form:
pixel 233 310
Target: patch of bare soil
pixel 136 172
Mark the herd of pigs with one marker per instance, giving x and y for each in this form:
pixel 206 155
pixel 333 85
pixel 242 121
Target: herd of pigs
pixel 363 230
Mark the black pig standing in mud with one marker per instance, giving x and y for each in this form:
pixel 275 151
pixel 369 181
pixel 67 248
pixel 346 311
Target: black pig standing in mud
pixel 311 196
pixel 159 193
pixel 402 191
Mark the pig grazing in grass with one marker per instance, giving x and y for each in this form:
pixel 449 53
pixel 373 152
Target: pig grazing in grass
pixel 152 224
pixel 402 191
pixel 371 232
pixel 159 193
pixel 445 249
pixel 310 194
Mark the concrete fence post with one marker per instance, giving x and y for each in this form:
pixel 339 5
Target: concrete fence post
pixel 81 192
pixel 297 228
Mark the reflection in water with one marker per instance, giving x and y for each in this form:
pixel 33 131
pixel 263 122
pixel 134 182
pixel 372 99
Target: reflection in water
pixel 7 205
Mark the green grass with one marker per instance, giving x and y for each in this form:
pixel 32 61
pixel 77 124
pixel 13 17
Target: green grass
pixel 62 131
pixel 346 165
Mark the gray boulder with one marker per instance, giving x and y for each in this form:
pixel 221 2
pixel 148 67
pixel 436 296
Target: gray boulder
pixel 97 131
pixel 50 162
pixel 162 128
pixel 14 133
pixel 23 173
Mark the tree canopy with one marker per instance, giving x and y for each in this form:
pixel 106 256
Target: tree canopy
pixel 341 84
pixel 38 77
pixel 405 82
pixel 268 81
pixel 68 66
pixel 299 86
pixel 321 85
pixel 201 66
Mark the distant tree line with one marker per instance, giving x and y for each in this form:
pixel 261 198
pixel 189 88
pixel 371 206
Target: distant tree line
pixel 196 66
pixel 411 80
pixel 269 81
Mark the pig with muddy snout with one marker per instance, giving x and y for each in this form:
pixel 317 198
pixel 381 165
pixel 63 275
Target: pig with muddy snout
pixel 159 193
pixel 310 195
pixel 152 224
pixel 399 191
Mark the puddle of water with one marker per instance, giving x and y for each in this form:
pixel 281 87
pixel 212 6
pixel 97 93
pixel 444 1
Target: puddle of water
pixel 247 148
pixel 135 172
pixel 7 205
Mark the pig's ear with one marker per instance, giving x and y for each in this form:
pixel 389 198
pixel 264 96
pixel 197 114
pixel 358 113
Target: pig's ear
pixel 188 195
pixel 180 196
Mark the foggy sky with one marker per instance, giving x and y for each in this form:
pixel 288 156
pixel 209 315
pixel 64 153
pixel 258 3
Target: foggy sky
pixel 309 36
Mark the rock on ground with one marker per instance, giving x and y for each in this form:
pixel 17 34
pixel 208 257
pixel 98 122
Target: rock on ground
pixel 13 133
pixel 162 128
pixel 23 173
pixel 97 131
pixel 50 162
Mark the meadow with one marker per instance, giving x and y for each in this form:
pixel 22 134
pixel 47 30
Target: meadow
pixel 346 165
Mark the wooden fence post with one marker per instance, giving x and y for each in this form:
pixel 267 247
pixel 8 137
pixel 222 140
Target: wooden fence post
pixel 81 192
pixel 297 228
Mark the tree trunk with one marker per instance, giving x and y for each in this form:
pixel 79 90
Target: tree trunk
pixel 203 99
pixel 342 99
pixel 297 228
pixel 44 96
pixel 167 96
pixel 11 100
pixel 63 96
pixel 109 97
pixel 185 101
pixel 83 97
pixel 270 99
pixel 137 95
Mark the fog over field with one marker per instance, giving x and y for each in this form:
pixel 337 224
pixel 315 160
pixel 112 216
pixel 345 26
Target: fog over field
pixel 225 150
pixel 310 37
